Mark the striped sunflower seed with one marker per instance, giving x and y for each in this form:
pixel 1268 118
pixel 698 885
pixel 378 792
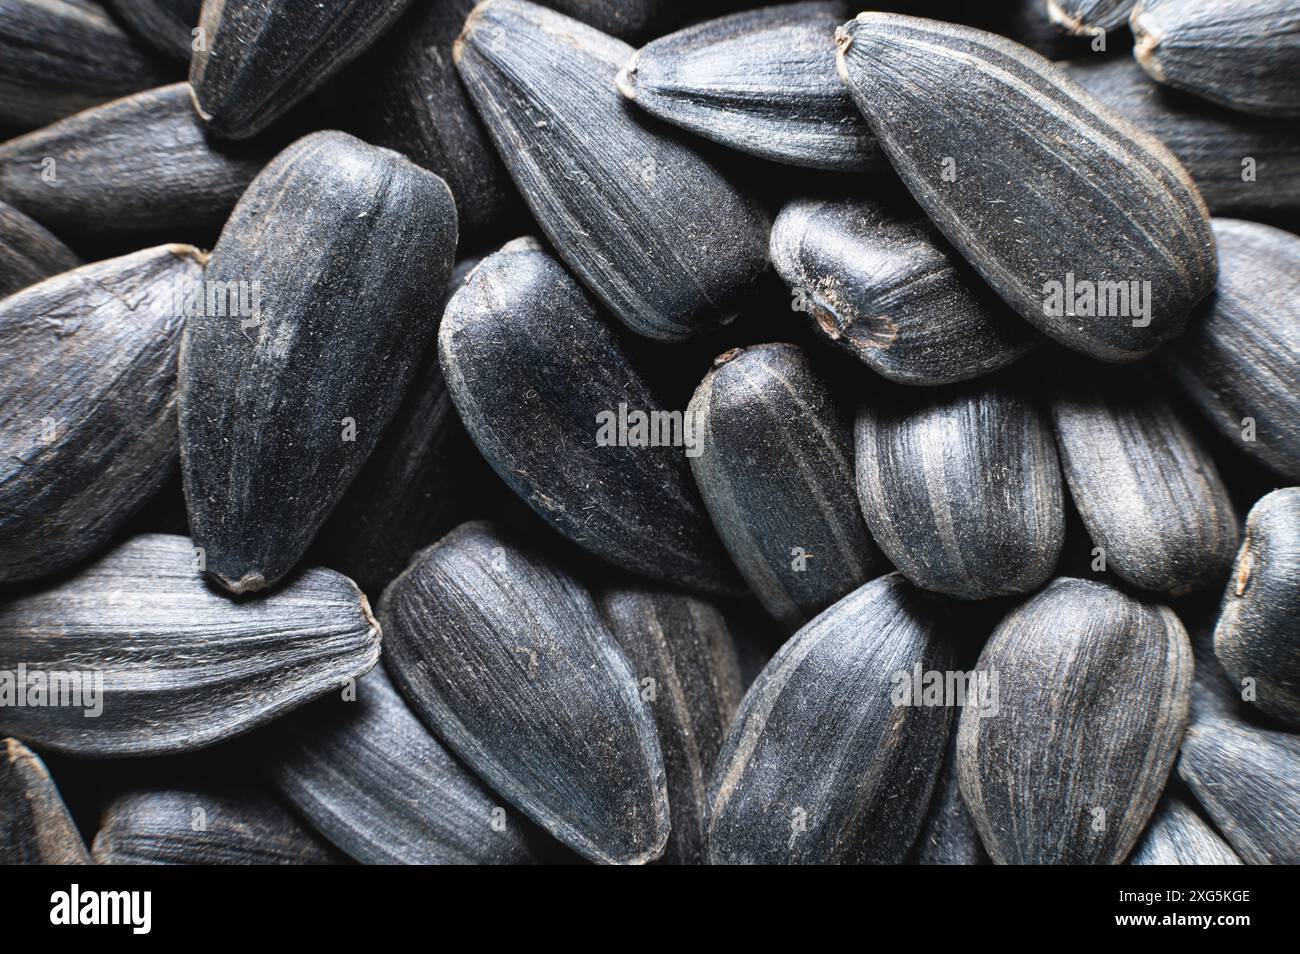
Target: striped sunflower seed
pixel 822 763
pixel 1258 635
pixel 205 823
pixel 950 836
pixel 1111 210
pixel 1239 362
pixel 368 775
pixel 34 822
pixel 1146 488
pixel 135 655
pixel 343 251
pixel 1248 781
pixel 775 469
pixel 763 82
pixel 166 25
pixel 260 58
pixel 1094 690
pixel 61 56
pixel 686 668
pixel 961 487
pixel 506 658
pixel 1244 54
pixel 1243 165
pixel 28 252
pixel 643 219
pixel 886 288
pixel 140 163
pixel 1178 836
pixel 521 317
pixel 88 403
pixel 1086 17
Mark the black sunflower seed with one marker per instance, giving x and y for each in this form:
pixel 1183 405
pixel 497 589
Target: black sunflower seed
pixel 344 251
pixel 506 658
pixel 553 433
pixel 166 25
pixel 1093 700
pixel 643 219
pixel 1178 836
pixel 136 655
pixel 88 401
pixel 28 252
pixel 1085 17
pixel 35 827
pixel 968 117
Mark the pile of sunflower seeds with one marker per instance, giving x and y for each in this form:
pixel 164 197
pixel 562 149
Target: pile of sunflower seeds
pixel 642 431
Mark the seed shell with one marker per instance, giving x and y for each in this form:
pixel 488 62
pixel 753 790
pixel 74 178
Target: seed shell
pixel 589 165
pixel 351 247
pixel 684 661
pixel 208 823
pixel 1244 54
pixel 961 487
pixel 1248 781
pixel 763 82
pixel 775 469
pixel 182 666
pixel 1238 362
pixel 884 286
pixel 949 836
pixel 1243 165
pixel 166 25
pixel 1146 488
pixel 368 775
pixel 261 57
pixel 1093 699
pixel 967 118
pixel 87 403
pixel 1178 836
pixel 821 765
pixel 61 56
pixel 140 163
pixel 1258 635
pixel 35 827
pixel 28 252
pixel 521 318
pixel 1086 17
pixel 506 658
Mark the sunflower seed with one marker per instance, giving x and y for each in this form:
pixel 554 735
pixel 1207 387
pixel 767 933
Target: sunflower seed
pixel 35 827
pixel 521 318
pixel 207 823
pixel 347 249
pixel 949 836
pixel 629 20
pixel 28 252
pixel 506 658
pixel 135 655
pixel 1111 208
pixel 417 105
pixel 1258 636
pixel 1094 690
pixel 886 288
pixel 169 26
pixel 763 82
pixel 1146 488
pixel 776 471
pixel 1242 53
pixel 1248 781
pixel 589 167
pixel 368 775
pixel 414 487
pixel 822 763
pixel 1086 17
pixel 260 58
pixel 1178 836
pixel 961 488
pixel 88 400
pixel 61 56
pixel 685 665
pixel 1238 360
pixel 140 163
pixel 1242 165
